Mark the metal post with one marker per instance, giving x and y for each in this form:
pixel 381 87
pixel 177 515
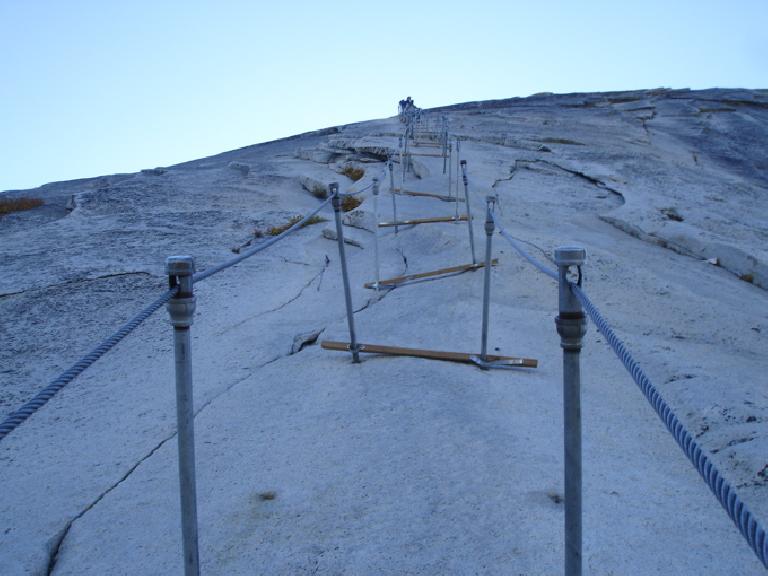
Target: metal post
pixel 181 309
pixel 376 229
pixel 392 192
pixel 450 179
pixel 489 227
pixel 444 138
pixel 458 163
pixel 469 210
pixel 571 325
pixel 333 190
pixel 407 164
pixel 402 143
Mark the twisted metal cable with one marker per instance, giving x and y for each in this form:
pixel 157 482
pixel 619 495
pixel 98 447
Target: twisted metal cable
pixel 351 192
pixel 381 175
pixel 747 523
pixel 200 276
pixel 534 261
pixel 749 526
pixel 14 419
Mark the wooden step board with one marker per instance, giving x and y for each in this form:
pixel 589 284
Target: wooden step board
pixel 432 154
pixel 430 354
pixel 423 221
pixel 440 272
pixel 429 195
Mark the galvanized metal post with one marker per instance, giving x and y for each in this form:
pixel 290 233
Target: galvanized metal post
pixel 444 138
pixel 458 163
pixel 571 325
pixel 392 192
pixel 181 309
pixel 406 161
pixel 333 190
pixel 450 180
pixel 376 229
pixel 469 210
pixel 489 228
pixel 450 171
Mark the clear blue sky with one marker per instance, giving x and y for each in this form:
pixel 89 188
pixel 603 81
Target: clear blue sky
pixel 97 87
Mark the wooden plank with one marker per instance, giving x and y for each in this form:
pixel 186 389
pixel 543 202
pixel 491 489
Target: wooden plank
pixel 424 221
pixel 429 354
pixel 430 195
pixel 417 276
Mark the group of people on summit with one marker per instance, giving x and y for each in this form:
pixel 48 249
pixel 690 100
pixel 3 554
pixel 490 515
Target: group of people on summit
pixel 405 106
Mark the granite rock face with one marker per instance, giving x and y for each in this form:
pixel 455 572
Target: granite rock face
pixel 701 154
pixel 398 465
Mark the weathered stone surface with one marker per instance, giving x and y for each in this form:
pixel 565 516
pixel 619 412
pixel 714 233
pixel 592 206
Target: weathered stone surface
pixel 300 341
pixel 153 171
pixel 654 183
pixel 359 219
pixel 329 234
pixel 319 155
pixel 315 187
pixel 241 167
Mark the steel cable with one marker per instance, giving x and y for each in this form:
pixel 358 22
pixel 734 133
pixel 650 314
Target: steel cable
pixel 16 418
pixel 534 261
pixel 200 276
pixel 381 175
pixel 749 526
pixel 742 517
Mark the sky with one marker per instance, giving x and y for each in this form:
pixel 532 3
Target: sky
pixel 99 87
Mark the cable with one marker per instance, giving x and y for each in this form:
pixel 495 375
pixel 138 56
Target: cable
pixel 200 276
pixel 16 418
pixel 534 261
pixel 749 526
pixel 742 517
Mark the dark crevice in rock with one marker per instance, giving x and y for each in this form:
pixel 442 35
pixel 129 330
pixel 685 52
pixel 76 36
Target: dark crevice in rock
pixel 62 535
pixel 301 341
pixel 287 302
pixel 525 164
pixel 75 281
pixel 322 273
pixel 58 540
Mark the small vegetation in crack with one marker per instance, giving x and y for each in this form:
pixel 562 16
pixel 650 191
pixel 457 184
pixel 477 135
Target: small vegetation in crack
pixel 8 205
pixel 319 191
pixel 352 173
pixel 349 203
pixel 277 230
